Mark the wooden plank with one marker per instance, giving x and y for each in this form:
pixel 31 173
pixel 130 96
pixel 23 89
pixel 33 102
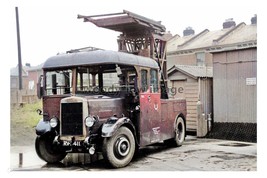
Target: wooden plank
pixel 193 95
pixel 191 84
pixel 114 21
pixel 190 90
pixel 192 103
pixel 192 121
pixel 191 117
pixel 191 112
pixel 191 127
pixel 191 107
pixel 192 99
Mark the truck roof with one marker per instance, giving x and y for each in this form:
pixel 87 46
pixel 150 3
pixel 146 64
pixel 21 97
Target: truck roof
pixel 96 58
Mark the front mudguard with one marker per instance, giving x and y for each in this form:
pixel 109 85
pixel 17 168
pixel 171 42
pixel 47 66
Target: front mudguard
pixel 114 123
pixel 43 127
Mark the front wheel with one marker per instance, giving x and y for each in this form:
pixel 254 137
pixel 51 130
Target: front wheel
pixel 46 150
pixel 119 149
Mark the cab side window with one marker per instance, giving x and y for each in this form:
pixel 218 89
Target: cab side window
pixel 154 87
pixel 144 85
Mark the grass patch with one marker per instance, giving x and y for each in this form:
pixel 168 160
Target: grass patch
pixel 23 122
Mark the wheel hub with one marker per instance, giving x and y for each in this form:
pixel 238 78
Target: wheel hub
pixel 123 146
pixel 179 131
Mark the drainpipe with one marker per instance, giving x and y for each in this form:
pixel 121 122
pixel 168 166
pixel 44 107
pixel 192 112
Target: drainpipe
pixel 209 122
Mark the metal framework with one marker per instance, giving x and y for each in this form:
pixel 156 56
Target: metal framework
pixel 139 35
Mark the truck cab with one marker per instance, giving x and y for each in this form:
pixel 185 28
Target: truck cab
pixel 105 101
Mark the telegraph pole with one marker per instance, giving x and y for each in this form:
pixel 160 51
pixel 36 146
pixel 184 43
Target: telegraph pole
pixel 19 49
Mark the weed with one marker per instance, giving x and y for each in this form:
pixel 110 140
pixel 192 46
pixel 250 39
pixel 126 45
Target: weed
pixel 23 122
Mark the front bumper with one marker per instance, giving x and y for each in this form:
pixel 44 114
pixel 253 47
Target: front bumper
pixel 87 145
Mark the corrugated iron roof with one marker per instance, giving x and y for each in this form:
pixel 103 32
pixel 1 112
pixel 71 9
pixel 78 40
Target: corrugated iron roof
pixel 193 71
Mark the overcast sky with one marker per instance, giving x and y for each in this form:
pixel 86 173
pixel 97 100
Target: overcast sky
pixel 49 28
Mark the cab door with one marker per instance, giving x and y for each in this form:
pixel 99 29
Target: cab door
pixel 150 107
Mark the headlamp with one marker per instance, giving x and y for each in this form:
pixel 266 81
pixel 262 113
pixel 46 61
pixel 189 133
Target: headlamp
pixel 53 122
pixel 89 121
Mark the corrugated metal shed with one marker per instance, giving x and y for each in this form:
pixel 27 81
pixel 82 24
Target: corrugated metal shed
pixel 235 86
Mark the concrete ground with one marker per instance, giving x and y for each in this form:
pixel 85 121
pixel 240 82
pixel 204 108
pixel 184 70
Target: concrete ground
pixel 195 155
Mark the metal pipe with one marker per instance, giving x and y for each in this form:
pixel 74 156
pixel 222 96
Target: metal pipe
pixel 19 49
pixel 20 159
pixel 209 122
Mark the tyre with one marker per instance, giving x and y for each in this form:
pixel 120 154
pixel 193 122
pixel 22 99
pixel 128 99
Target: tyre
pixel 46 150
pixel 119 149
pixel 179 136
pixel 179 132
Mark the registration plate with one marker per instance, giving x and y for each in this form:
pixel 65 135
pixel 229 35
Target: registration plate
pixel 69 143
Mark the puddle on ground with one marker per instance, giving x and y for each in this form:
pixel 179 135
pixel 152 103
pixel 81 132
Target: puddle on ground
pixel 235 144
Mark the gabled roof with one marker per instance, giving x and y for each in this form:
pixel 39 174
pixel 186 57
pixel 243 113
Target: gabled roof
pixel 14 72
pixel 176 40
pixel 35 68
pixel 204 40
pixel 246 33
pixel 97 57
pixel 238 37
pixel 193 71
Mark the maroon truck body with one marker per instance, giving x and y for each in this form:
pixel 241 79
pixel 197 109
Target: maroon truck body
pixel 105 101
pixel 157 116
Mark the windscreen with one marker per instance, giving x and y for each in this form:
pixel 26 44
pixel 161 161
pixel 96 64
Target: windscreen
pixel 58 82
pixel 105 79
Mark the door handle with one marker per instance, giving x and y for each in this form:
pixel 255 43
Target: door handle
pixel 149 98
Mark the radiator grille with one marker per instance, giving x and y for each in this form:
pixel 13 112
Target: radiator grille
pixel 71 119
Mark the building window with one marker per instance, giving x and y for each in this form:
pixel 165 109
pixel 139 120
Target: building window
pixel 31 85
pixel 200 59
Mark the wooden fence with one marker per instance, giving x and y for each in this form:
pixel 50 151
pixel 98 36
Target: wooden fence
pixel 25 96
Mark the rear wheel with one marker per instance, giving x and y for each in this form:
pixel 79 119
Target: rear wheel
pixel 119 149
pixel 179 132
pixel 179 136
pixel 46 150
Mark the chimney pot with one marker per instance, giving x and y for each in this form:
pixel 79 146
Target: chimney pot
pixel 229 23
pixel 254 19
pixel 189 31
